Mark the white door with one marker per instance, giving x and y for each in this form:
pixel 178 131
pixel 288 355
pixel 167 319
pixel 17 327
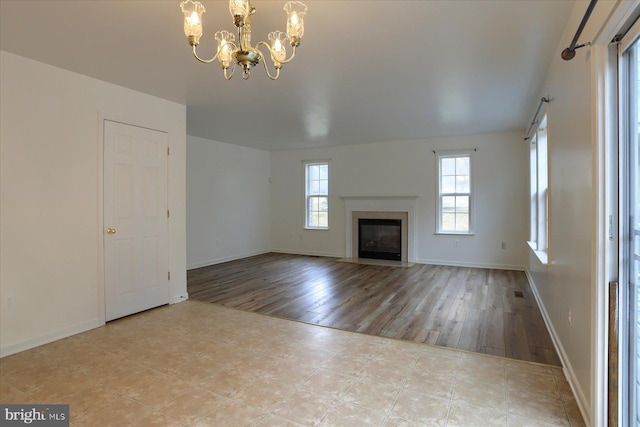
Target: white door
pixel 135 219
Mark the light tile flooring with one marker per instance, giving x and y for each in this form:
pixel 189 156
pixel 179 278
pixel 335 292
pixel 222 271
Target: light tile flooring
pixel 197 364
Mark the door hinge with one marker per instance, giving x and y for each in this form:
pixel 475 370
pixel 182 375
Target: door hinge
pixel 168 213
pixel 168 151
pixel 168 275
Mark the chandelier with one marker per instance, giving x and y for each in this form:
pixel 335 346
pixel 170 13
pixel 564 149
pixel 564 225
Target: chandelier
pixel 229 54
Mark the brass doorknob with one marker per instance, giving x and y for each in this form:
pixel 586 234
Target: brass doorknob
pixel 111 231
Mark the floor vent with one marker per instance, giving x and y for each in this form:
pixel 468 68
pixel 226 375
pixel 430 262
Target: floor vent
pixel 518 294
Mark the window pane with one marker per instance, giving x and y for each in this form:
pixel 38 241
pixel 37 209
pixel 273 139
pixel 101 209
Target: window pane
pixel 462 222
pixel 314 187
pixel 448 204
pixel 323 171
pixel 324 187
pixel 323 204
pixel 314 172
pixel 448 166
pixel 310 222
pixel 448 184
pixel 323 219
pixel 462 204
pixel 313 213
pixel 448 221
pixel 462 165
pixel 462 184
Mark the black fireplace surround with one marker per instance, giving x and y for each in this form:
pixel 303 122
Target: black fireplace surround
pixel 380 239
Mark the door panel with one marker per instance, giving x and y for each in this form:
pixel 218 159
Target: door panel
pixel 135 210
pixel 630 207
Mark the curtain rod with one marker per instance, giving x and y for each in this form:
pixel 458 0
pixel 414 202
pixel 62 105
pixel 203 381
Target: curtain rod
pixel 454 151
pixel 570 52
pixel 535 117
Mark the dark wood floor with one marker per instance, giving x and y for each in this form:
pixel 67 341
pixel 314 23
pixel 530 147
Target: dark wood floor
pixel 466 308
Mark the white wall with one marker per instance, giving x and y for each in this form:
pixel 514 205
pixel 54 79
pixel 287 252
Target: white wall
pixel 49 254
pixel 568 280
pixel 408 168
pixel 228 198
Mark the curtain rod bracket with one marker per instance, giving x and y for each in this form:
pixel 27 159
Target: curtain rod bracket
pixel 570 52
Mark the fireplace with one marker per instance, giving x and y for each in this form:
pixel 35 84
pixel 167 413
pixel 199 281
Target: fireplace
pixel 402 208
pixel 380 238
pixel 381 235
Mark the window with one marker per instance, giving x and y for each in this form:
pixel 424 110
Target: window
pixel 317 195
pixel 539 201
pixel 454 192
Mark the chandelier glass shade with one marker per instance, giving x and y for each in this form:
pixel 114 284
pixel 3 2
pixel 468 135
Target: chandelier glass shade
pixel 231 53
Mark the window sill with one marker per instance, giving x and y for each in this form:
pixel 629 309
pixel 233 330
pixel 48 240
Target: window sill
pixel 317 228
pixel 452 233
pixel 541 255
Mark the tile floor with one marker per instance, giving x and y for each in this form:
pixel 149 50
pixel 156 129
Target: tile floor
pixel 197 364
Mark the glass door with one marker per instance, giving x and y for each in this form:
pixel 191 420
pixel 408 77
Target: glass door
pixel 630 180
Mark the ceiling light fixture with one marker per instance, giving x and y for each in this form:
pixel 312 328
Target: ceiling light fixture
pixel 229 54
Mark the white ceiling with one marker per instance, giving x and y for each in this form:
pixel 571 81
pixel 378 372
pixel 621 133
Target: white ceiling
pixel 366 70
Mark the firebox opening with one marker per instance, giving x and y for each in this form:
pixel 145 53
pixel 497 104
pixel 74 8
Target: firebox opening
pixel 380 239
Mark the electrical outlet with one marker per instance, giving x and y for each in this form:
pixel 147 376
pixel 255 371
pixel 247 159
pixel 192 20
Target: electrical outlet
pixel 504 245
pixel 455 243
pixel 570 315
pixel 11 301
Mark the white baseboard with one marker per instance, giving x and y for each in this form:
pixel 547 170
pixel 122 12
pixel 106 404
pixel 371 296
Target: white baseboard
pixel 207 263
pixel 342 255
pixel 581 399
pixel 420 261
pixel 50 337
pixel 179 298
pixel 309 253
pixel 471 264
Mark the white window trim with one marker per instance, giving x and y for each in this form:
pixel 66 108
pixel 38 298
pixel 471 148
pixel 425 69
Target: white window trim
pixel 455 153
pixel 308 163
pixel 540 204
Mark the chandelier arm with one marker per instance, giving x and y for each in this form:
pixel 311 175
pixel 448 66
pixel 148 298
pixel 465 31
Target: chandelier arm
pixel 206 61
pixel 266 70
pixel 209 61
pixel 293 54
pixel 284 61
pixel 229 76
pixel 264 62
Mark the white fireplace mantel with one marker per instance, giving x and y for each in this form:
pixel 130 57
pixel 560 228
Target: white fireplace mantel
pixel 381 204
